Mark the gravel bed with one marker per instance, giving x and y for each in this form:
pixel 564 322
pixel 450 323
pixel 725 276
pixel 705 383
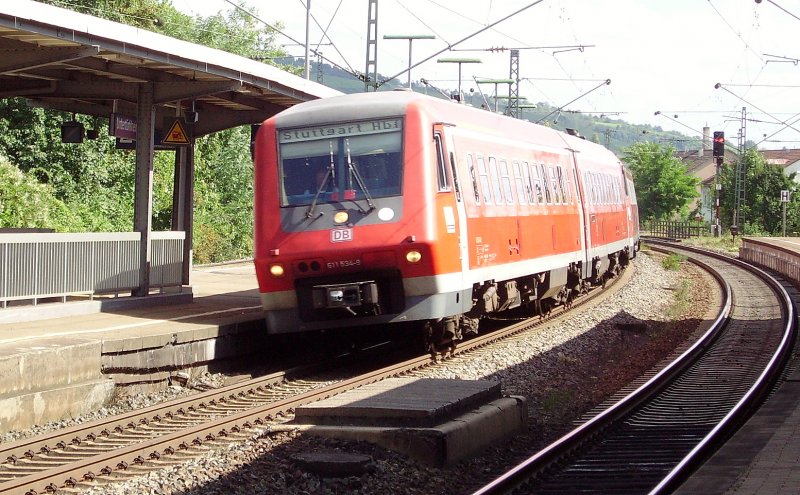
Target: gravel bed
pixel 563 370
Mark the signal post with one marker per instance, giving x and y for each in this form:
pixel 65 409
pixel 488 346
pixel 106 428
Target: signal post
pixel 718 153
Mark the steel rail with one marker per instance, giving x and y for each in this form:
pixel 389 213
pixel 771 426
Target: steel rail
pixel 165 445
pixel 557 450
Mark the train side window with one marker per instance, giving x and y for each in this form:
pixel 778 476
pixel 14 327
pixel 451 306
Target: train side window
pixel 518 181
pixel 486 187
pixel 568 186
pixel 554 184
pixel 596 189
pixel 560 175
pixel 601 187
pixel 613 182
pixel 546 185
pixel 624 181
pixel 443 181
pixel 505 180
pixel 587 179
pixel 497 189
pixel 537 184
pixel 475 190
pixel 528 184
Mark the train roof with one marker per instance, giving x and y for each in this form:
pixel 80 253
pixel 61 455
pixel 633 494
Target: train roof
pixel 365 106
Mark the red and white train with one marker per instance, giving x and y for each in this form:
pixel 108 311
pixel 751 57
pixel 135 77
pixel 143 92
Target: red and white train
pixel 389 207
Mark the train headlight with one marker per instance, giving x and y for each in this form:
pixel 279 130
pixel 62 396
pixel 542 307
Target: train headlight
pixel 276 270
pixel 413 256
pixel 340 217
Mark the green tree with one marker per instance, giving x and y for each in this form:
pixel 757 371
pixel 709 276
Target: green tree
pixel 663 188
pixel 762 210
pixel 25 203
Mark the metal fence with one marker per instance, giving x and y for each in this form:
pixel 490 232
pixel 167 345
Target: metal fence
pixel 37 266
pixel 676 230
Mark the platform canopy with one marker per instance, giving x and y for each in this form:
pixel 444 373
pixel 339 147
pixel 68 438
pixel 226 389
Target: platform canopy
pixel 74 62
pixel 144 83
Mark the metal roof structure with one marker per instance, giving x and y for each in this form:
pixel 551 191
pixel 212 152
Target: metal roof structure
pixel 77 63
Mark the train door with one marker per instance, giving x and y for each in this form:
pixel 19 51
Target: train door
pixel 449 169
pixel 585 216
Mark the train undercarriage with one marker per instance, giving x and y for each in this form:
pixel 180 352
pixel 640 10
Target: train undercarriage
pixel 532 295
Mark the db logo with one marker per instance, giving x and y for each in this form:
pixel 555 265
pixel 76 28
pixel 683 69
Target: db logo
pixel 341 235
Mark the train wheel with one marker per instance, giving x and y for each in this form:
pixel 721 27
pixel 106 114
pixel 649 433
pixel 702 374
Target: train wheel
pixel 442 336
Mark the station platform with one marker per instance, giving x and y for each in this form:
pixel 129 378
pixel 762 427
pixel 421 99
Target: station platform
pixel 60 359
pixel 781 254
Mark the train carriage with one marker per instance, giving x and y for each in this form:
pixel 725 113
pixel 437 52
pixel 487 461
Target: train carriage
pixel 391 207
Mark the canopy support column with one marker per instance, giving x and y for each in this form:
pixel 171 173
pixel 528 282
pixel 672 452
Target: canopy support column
pixel 143 200
pixel 183 203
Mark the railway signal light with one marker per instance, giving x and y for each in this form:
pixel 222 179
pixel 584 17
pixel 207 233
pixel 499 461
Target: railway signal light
pixel 719 144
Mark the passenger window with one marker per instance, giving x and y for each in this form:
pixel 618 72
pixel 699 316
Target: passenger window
pixel 537 184
pixel 568 187
pixel 505 180
pixel 498 191
pixel 624 180
pixel 518 181
pixel 554 184
pixel 486 187
pixel 472 175
pixel 528 184
pixel 546 185
pixel 441 167
pixel 560 176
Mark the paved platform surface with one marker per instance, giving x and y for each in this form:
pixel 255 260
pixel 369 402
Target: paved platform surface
pixel 220 293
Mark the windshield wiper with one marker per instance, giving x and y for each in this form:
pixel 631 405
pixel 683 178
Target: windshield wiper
pixel 329 174
pixel 355 173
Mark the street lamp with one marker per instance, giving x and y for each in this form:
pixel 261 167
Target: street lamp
pixel 459 61
pixel 410 38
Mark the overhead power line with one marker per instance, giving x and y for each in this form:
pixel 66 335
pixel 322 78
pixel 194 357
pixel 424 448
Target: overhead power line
pixel 450 46
pixel 604 83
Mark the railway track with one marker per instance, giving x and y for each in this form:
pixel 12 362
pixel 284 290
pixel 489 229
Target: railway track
pixel 652 439
pixel 119 447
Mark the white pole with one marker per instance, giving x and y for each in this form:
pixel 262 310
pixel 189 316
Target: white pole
pixel 308 25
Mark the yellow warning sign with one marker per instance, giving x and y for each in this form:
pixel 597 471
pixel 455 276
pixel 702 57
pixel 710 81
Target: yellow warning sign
pixel 177 134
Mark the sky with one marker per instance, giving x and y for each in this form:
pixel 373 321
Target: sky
pixel 664 57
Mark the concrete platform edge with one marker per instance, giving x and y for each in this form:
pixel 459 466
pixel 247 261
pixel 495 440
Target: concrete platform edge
pixel 25 410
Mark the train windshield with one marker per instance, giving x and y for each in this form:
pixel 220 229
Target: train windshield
pixel 341 162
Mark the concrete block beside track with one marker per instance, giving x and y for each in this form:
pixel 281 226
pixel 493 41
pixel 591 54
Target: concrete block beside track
pixel 437 422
